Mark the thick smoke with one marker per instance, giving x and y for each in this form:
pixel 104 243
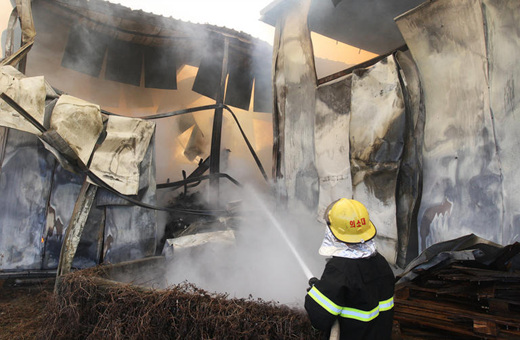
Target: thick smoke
pixel 259 263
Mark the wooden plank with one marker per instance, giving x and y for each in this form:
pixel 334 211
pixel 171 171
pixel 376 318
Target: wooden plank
pixel 444 312
pixel 420 317
pixel 510 333
pixel 468 292
pixel 502 306
pixel 487 327
pixel 509 291
pixel 486 292
pixel 451 289
pixel 486 273
pixel 402 293
pixel 462 277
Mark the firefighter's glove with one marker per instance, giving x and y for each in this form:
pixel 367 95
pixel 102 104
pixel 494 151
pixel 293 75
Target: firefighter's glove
pixel 312 282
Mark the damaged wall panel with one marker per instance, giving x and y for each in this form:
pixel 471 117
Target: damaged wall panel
pixel 38 195
pixel 65 189
pixel 37 199
pixel 117 160
pixel 130 231
pixel 462 179
pixel 409 180
pixel 90 247
pixel 64 192
pixel 332 141
pixel 29 93
pixel 79 123
pixel 295 97
pixel 502 18
pixel 25 182
pixel 376 145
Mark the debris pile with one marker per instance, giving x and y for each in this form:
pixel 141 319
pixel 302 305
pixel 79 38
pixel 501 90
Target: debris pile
pixel 459 299
pixel 89 306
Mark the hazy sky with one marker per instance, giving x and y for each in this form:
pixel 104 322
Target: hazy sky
pixel 241 15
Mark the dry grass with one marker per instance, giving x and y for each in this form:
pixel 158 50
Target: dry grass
pixel 22 307
pixel 88 307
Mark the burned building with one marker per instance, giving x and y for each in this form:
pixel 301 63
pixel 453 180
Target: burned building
pixel 423 134
pixel 133 65
pixel 424 141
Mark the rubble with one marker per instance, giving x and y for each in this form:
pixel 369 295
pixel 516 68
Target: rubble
pixel 456 298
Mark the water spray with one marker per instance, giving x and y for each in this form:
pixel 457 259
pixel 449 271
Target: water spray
pixel 274 221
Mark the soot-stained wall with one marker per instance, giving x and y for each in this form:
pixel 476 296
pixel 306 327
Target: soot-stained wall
pixel 432 132
pixel 376 140
pixel 293 121
pixel 37 197
pixel 466 52
pixel 25 183
pixel 332 141
pixel 360 131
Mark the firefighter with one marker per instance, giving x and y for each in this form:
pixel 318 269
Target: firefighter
pixel 357 285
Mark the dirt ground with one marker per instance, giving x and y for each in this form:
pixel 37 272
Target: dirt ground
pixel 22 302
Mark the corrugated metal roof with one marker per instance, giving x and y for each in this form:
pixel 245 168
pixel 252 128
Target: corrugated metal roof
pixel 137 26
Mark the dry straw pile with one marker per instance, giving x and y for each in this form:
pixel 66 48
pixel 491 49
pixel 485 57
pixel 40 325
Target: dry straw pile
pixel 89 307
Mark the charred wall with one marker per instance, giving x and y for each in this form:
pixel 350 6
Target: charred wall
pixel 37 201
pixel 466 53
pixel 432 132
pixel 367 150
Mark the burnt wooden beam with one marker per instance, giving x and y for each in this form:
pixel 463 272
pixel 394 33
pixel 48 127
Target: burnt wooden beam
pixel 75 229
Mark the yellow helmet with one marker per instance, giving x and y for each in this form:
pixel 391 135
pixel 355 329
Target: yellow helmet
pixel 349 222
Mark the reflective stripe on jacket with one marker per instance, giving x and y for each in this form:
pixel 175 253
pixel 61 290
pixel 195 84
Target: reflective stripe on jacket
pixel 357 291
pixel 347 312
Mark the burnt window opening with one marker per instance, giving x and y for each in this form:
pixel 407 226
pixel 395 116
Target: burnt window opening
pixel 160 68
pixel 85 51
pixel 207 81
pixel 124 62
pixel 240 82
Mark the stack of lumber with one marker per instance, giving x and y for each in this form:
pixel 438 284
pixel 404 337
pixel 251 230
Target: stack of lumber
pixel 459 301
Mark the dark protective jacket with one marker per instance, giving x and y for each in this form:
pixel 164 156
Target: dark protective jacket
pixel 358 292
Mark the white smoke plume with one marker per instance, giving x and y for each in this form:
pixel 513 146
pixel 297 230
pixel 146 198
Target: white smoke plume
pixel 260 262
